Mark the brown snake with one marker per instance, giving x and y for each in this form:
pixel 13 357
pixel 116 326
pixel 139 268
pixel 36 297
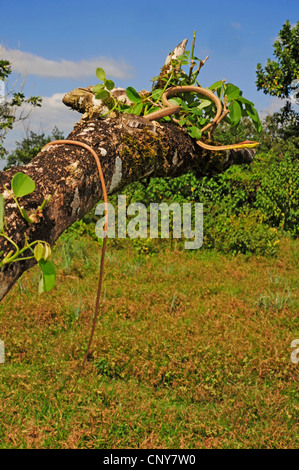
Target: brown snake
pixel 173 109
pixel 100 282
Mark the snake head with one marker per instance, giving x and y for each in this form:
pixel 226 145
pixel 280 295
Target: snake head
pixel 247 144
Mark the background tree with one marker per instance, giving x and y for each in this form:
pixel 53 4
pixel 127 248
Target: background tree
pixel 9 105
pixel 282 128
pixel 30 146
pixel 275 79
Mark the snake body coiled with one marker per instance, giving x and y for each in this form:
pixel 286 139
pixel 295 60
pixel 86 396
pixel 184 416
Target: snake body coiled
pixel 175 109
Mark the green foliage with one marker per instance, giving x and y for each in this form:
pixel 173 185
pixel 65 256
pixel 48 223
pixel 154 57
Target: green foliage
pixel 282 133
pixel 196 111
pixel 241 233
pixel 279 135
pixel 83 227
pixel 30 146
pixel 246 209
pixel 8 108
pixel 144 246
pixel 22 185
pixel 278 195
pixel 275 79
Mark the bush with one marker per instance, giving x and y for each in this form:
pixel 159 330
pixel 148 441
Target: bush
pixel 243 233
pixel 246 209
pixel 278 195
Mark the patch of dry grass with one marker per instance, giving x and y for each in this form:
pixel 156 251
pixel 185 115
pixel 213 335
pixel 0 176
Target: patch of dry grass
pixel 192 351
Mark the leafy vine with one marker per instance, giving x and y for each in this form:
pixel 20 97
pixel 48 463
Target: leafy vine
pixel 22 185
pixel 195 112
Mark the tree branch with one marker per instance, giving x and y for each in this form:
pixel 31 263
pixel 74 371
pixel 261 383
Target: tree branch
pixel 129 147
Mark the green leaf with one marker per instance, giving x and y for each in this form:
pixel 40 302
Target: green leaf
pixel 183 121
pixel 100 73
pixel 216 85
pixel 175 101
pixel 49 275
pixel 194 132
pixel 109 84
pixel 204 104
pixel 232 91
pixel 137 109
pixel 38 251
pixel 98 88
pixel 203 121
pixel 197 112
pixel 156 94
pixel 235 112
pixel 245 101
pixel 1 212
pixel 252 113
pixel 182 57
pixel 103 94
pixel 22 185
pixel 133 95
pixel 151 110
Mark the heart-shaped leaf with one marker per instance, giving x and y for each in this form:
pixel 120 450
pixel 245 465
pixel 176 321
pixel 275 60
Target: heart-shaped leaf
pixel 100 73
pixel 194 132
pixel 133 95
pixel 101 95
pixel 22 185
pixel 98 88
pixel 109 84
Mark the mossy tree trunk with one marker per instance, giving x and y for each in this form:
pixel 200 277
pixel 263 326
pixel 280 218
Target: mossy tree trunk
pixel 129 148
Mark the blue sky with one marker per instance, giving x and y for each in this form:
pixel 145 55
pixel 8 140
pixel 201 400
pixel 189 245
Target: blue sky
pixel 57 45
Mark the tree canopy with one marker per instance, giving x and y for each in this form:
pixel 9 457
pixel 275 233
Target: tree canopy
pixel 277 75
pixel 9 105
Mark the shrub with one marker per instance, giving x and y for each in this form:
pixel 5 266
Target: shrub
pixel 278 195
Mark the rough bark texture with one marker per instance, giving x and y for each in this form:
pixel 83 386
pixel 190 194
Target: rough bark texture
pixel 129 148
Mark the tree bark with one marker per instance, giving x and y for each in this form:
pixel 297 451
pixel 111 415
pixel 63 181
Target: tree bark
pixel 129 147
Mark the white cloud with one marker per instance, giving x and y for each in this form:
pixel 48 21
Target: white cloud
pixel 274 106
pixel 27 63
pixel 53 113
pixel 42 120
pixel 235 25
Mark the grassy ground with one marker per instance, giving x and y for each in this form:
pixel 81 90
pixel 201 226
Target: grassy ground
pixel 192 351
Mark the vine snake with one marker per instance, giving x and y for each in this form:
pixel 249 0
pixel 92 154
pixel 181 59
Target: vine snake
pixel 173 109
pixel 100 282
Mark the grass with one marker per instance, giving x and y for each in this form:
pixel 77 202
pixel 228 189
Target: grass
pixel 192 351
